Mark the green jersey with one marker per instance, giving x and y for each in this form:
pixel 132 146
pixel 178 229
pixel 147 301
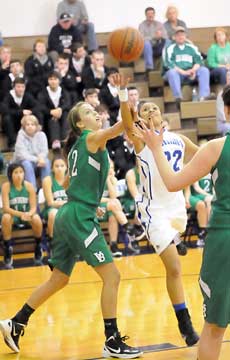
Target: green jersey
pixel 88 173
pixel 59 193
pixel 19 199
pixel 206 184
pixel 221 179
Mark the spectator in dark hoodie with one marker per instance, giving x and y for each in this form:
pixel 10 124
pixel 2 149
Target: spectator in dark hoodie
pixel 37 68
pixel 62 36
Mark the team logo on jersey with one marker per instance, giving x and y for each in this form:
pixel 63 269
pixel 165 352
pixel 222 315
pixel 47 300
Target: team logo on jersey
pixel 100 256
pixel 204 311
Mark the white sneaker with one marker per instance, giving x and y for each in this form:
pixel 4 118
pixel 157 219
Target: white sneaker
pixel 11 332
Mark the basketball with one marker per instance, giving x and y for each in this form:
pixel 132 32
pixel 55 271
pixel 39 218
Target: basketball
pixel 126 44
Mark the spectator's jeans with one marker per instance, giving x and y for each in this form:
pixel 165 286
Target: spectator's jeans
pixel 175 80
pixel 149 53
pixel 88 29
pixel 57 129
pixel 219 75
pixel 30 168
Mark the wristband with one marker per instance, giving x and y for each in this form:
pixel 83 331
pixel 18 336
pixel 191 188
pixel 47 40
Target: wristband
pixel 123 94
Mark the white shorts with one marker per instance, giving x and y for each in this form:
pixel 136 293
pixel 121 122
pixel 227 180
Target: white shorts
pixel 161 224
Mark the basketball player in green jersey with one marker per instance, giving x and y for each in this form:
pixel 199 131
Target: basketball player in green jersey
pixel 77 231
pixel 54 193
pixel 214 158
pixel 19 208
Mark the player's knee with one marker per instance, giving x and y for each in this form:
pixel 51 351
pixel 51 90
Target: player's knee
pixel 200 206
pixel 174 270
pixel 115 278
pixel 6 219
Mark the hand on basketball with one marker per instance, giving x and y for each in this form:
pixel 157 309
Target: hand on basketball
pixel 120 80
pixel 152 138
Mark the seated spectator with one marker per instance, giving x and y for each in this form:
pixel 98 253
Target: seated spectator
pixel 94 75
pixel 154 35
pixel 109 96
pixel 81 20
pixel 124 157
pixel 16 71
pixel 55 103
pixel 173 22
pixel 19 208
pixel 222 125
pixel 103 112
pixel 91 97
pixel 54 193
pixel 5 58
pixel 68 80
pixel 2 164
pixel 16 104
pixel 62 36
pixel 115 217
pixel 78 61
pixel 37 68
pixel 218 58
pixel 182 62
pixel 31 149
pixel 196 202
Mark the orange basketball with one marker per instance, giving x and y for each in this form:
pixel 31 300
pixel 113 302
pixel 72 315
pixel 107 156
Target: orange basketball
pixel 126 44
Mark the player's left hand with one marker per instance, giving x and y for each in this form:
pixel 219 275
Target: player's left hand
pixel 152 138
pixel 100 212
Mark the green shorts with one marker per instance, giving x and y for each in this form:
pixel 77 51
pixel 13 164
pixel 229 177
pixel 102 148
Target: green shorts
pixel 214 277
pixel 77 232
pixel 129 207
pixel 194 199
pixel 17 221
pixel 107 213
pixel 45 212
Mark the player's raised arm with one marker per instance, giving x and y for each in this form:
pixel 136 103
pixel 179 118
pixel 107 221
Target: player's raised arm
pixel 200 165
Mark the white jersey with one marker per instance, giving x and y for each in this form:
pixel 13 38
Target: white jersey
pixel 152 185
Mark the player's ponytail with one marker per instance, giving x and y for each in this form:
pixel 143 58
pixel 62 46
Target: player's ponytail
pixel 75 132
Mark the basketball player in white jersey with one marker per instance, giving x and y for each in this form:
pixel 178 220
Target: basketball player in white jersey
pixel 162 213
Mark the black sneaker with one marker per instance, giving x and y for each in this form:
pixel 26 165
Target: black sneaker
pixel 8 259
pixel 139 233
pixel 38 255
pixel 116 347
pixel 186 329
pixel 115 251
pixel 182 248
pixel 11 332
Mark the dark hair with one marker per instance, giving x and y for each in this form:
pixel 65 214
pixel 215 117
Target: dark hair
pixel 112 70
pixel 13 61
pixel 132 88
pixel 76 46
pixel 54 74
pixel 149 8
pixel 11 169
pixel 75 132
pixel 18 80
pixel 57 157
pixel 63 56
pixel 101 108
pixel 90 91
pixel 226 95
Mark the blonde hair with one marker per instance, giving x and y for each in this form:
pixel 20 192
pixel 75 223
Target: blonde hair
pixel 221 29
pixel 170 7
pixel 31 118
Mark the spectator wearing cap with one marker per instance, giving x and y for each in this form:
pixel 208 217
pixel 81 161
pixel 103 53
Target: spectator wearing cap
pixel 109 96
pixel 81 19
pixel 154 35
pixel 62 36
pixel 15 105
pixel 182 62
pixel 37 67
pixel 55 104
pixel 173 21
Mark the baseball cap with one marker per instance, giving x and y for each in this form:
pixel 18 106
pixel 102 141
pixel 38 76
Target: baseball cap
pixel 178 29
pixel 65 17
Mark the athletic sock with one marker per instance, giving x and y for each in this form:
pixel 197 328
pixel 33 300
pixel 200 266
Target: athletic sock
pixel 38 240
pixel 23 315
pixel 110 327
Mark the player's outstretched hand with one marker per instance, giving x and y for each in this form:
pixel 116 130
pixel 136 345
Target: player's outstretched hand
pixel 152 138
pixel 120 80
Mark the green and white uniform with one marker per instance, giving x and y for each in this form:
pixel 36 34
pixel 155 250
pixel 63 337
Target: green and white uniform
pixel 205 184
pixel 127 201
pixel 19 200
pixel 59 194
pixel 76 229
pixel 215 270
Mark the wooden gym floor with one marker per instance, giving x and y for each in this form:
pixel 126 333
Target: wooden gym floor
pixel 69 325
